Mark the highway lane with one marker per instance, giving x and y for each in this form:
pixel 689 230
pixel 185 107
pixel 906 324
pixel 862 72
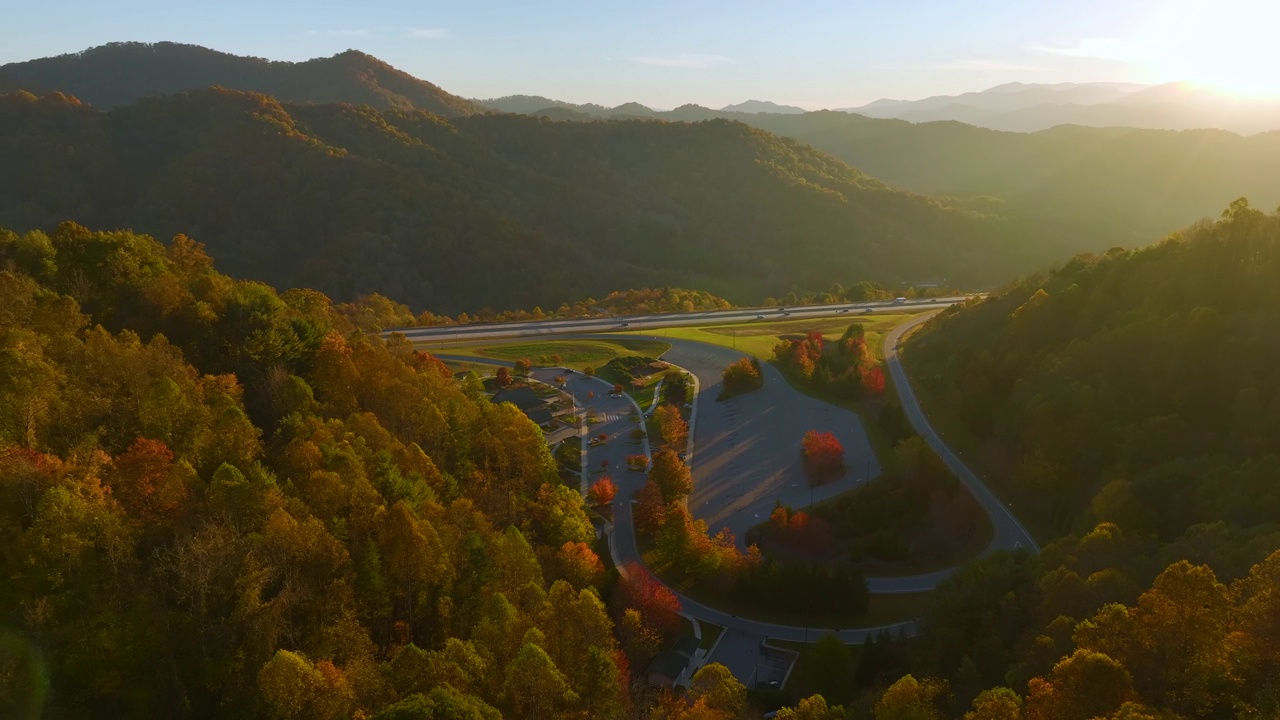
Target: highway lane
pixel 542 328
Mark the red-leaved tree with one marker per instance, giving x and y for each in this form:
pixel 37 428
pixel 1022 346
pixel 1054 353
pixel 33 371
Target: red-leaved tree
pixel 823 455
pixel 873 380
pixel 658 606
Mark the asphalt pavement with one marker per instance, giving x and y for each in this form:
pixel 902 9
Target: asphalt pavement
pixel 440 336
pixel 748 459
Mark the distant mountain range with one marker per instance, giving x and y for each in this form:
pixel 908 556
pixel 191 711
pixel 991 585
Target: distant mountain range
pixel 119 73
pixel 1049 193
pixel 764 106
pixel 1104 185
pixel 538 105
pixel 1015 107
pixel 490 209
pixel 1021 107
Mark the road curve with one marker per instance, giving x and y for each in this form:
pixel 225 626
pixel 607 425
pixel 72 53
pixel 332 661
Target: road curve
pixel 707 361
pixel 1008 533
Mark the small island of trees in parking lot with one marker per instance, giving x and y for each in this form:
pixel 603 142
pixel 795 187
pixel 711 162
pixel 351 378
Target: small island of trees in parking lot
pixel 713 568
pixel 823 457
pixel 741 377
pixel 846 368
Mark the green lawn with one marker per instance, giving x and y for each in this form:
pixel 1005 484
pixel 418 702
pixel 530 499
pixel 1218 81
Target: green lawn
pixel 758 337
pixel 710 633
pixel 577 354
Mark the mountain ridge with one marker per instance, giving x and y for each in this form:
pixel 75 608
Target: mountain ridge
pixel 477 210
pixel 1030 107
pixel 118 73
pixel 764 106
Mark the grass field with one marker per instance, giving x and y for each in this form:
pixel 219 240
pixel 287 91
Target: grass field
pixel 577 354
pixel 710 633
pixel 758 337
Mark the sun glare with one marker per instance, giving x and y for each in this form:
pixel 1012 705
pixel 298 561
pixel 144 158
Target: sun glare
pixel 1227 45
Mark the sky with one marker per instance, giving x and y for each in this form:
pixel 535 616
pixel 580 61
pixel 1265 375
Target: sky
pixel 665 54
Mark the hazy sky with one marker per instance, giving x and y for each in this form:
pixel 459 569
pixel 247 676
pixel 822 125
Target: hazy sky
pixel 664 54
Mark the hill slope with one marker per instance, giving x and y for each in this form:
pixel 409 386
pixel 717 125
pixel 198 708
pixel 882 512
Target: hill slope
pixel 1126 404
pixel 1101 186
pixel 1107 186
pixel 1122 366
pixel 1089 188
pixel 499 210
pixel 155 415
pixel 120 73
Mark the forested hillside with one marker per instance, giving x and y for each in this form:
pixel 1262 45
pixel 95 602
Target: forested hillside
pixel 1128 404
pixel 121 73
pixel 1063 190
pixel 1080 188
pixel 1103 186
pixel 499 210
pixel 219 501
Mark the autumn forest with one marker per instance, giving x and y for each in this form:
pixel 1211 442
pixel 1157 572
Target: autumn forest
pixel 227 491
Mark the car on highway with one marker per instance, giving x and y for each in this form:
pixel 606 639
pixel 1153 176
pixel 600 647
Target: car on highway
pixel 615 395
pixel 900 300
pixel 844 309
pixel 786 314
pixel 759 317
pixel 625 324
pixel 866 310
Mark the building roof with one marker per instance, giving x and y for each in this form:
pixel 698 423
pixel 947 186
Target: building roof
pixel 539 416
pixel 522 397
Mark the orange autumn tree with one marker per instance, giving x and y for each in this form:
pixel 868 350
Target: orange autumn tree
pixel 602 491
pixel 672 426
pixel 823 456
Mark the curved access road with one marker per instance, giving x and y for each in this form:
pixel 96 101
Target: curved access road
pixel 1008 533
pixel 746 458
